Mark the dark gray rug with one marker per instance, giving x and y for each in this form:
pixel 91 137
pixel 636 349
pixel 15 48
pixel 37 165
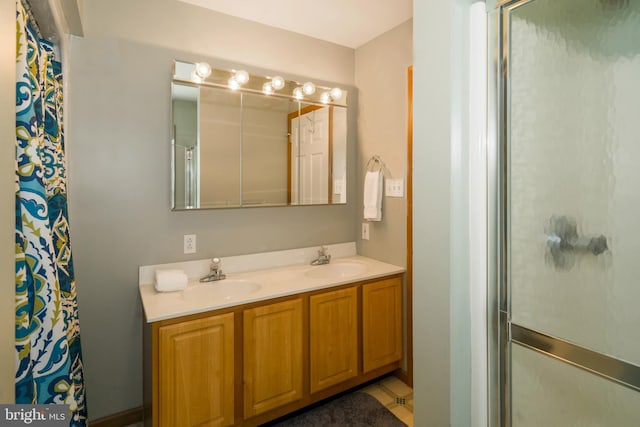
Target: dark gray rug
pixel 351 410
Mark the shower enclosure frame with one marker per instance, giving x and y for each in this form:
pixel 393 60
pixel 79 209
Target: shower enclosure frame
pixel 501 332
pixel 497 297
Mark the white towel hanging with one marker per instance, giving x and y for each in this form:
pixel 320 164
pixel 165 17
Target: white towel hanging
pixel 373 187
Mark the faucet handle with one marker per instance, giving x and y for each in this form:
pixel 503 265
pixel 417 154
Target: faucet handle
pixel 323 250
pixel 215 264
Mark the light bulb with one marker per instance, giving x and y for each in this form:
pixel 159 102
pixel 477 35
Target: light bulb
pixel 277 82
pixel 298 93
pixel 325 97
pixel 203 70
pixel 242 77
pixel 267 88
pixel 308 88
pixel 336 93
pixel 233 83
pixel 195 77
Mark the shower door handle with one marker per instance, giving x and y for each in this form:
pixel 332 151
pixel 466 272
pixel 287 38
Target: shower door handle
pixel 563 241
pixel 594 245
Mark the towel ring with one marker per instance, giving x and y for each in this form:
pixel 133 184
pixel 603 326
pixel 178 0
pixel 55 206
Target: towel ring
pixel 375 163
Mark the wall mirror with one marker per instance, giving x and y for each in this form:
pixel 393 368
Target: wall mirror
pixel 242 140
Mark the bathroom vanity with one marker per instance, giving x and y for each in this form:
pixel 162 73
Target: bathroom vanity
pixel 300 335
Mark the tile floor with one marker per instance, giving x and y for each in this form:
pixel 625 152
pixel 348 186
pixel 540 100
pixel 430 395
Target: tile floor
pixel 395 395
pixel 391 392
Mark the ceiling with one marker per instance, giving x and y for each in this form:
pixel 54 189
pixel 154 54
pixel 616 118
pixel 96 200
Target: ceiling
pixel 350 23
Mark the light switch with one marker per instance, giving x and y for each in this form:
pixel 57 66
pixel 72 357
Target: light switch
pixel 337 186
pixel 394 187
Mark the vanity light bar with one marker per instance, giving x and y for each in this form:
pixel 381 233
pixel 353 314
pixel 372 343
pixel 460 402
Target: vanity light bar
pixel 238 78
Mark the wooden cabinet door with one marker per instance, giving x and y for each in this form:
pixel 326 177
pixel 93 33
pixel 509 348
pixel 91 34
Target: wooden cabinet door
pixel 272 356
pixel 333 337
pixel 196 372
pixel 381 323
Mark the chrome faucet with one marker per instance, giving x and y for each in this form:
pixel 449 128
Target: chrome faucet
pixel 215 273
pixel 323 257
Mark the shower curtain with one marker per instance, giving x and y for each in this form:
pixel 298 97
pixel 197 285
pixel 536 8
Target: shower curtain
pixel 48 357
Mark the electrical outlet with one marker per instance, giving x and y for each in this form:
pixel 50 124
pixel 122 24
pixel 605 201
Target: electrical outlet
pixel 365 231
pixel 189 243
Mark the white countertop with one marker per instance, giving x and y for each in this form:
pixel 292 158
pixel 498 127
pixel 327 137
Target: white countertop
pixel 274 282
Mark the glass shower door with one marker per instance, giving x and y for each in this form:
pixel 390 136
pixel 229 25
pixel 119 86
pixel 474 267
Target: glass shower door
pixel 571 211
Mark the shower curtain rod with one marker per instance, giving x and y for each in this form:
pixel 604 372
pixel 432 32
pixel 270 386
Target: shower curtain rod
pixel 32 18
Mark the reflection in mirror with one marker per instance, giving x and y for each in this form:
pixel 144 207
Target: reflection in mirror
pixel 219 124
pixel 264 149
pixel 185 148
pixel 245 147
pixel 318 166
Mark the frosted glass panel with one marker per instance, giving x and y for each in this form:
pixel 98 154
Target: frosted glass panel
pixel 574 146
pixel 547 393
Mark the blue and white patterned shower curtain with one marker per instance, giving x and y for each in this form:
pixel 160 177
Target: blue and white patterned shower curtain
pixel 49 361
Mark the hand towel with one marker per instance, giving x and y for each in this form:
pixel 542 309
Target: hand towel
pixel 373 196
pixel 170 280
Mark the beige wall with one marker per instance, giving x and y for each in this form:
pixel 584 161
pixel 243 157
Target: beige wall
pixel 381 78
pixel 192 30
pixel 7 195
pixel 118 135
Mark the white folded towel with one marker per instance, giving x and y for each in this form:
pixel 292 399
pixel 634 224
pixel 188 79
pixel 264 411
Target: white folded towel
pixel 373 196
pixel 170 280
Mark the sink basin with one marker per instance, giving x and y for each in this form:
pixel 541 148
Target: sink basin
pixel 336 270
pixel 226 289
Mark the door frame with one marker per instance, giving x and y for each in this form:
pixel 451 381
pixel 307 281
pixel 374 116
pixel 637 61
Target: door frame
pixel 407 375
